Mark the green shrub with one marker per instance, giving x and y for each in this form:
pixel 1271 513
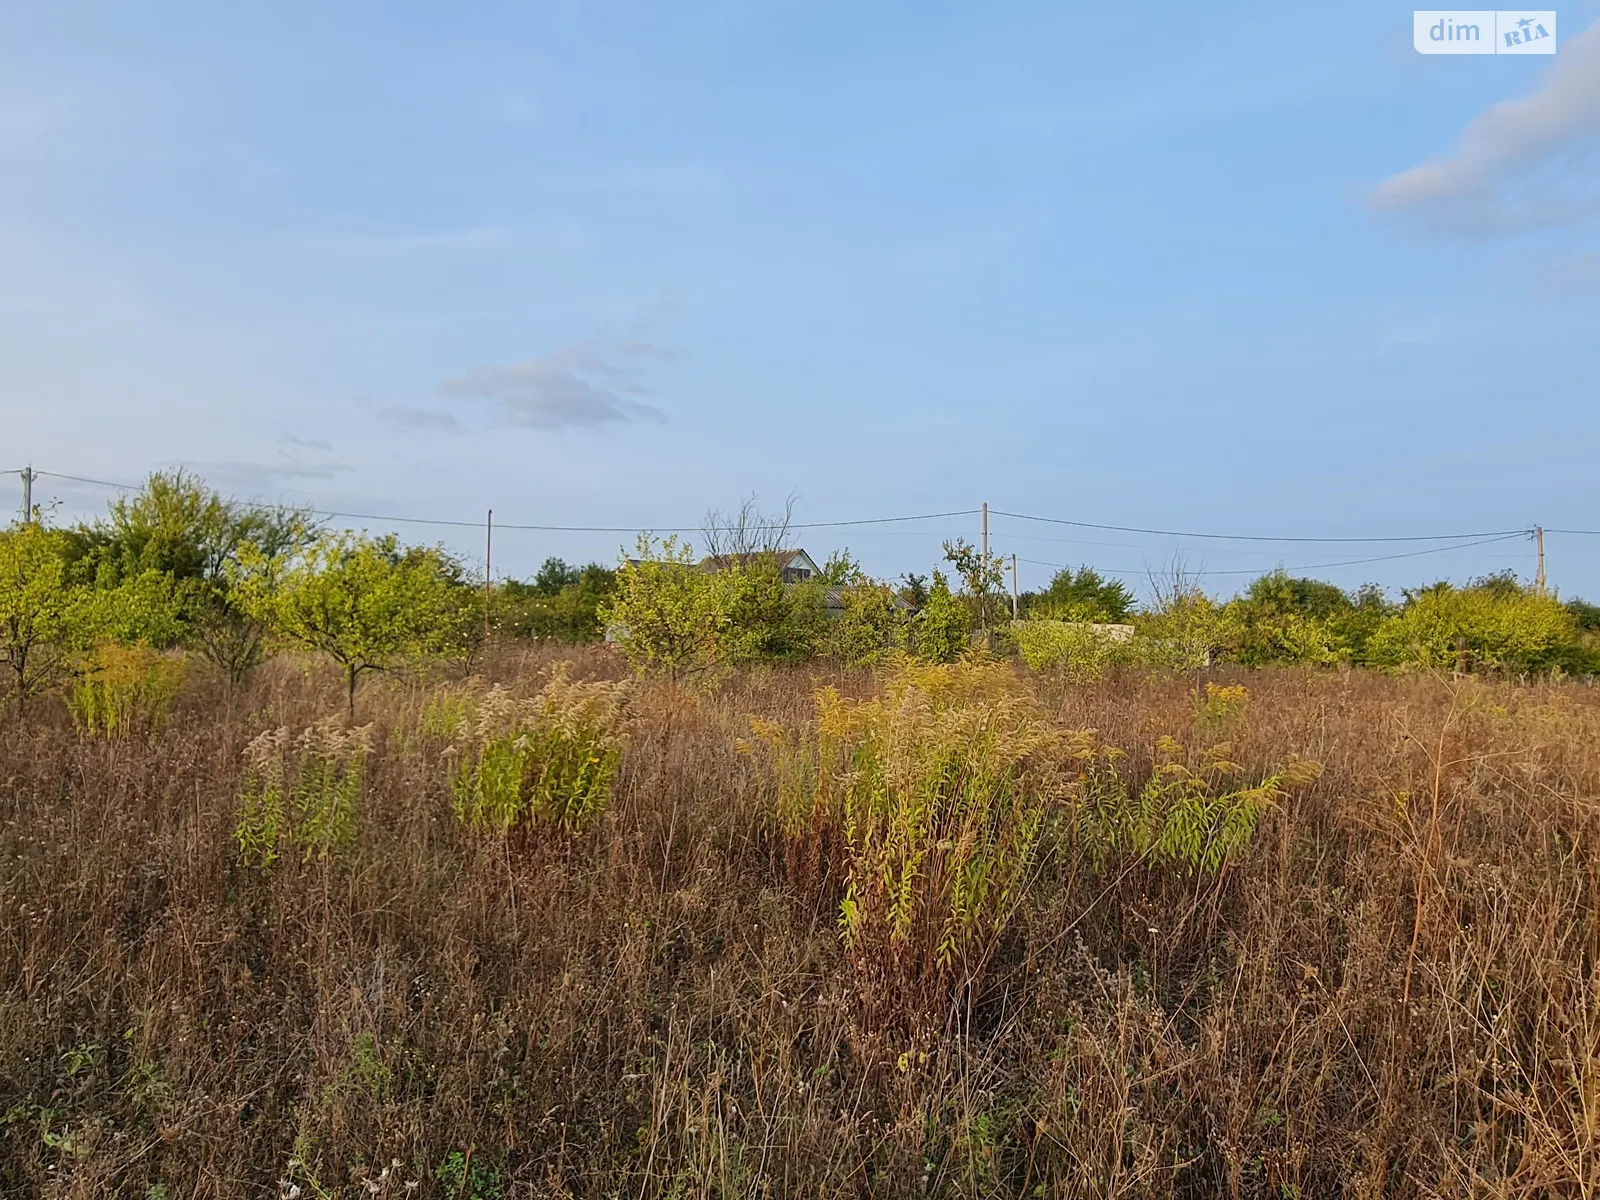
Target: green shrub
pixel 546 762
pixel 1443 627
pixel 302 792
pixel 125 689
pixel 1189 817
pixel 937 793
pixel 1081 650
pixel 942 630
pixel 870 627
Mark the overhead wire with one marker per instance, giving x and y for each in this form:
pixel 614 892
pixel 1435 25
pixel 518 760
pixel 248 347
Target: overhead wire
pixel 1453 540
pixel 1255 537
pixel 1319 566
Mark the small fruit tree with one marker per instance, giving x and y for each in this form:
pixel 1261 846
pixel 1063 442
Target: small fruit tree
pixel 365 602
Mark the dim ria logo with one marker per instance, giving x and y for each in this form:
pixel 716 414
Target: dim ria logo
pixel 1486 32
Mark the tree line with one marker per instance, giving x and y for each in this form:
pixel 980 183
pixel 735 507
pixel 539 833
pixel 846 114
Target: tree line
pixel 176 565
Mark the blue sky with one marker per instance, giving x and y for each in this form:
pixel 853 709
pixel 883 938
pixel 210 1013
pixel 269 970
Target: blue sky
pixel 1238 269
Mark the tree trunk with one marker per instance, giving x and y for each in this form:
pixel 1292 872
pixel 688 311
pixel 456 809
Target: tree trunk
pixel 350 689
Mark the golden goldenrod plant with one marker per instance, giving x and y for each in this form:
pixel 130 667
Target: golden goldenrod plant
pixel 1192 813
pixel 125 689
pixel 939 790
pixel 302 791
pixel 1222 707
pixel 546 761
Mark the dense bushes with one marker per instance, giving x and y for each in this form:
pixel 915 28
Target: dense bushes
pixel 177 567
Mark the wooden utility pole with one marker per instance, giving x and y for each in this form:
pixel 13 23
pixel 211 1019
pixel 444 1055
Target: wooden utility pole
pixel 488 568
pixel 1013 587
pixel 1538 540
pixel 27 495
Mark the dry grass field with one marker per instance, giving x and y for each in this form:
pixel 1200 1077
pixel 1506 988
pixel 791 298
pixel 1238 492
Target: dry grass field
pixel 1389 989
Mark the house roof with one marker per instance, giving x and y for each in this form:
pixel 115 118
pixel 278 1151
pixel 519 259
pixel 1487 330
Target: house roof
pixel 785 559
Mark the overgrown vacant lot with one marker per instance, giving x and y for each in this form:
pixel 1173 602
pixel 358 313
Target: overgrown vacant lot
pixel 338 962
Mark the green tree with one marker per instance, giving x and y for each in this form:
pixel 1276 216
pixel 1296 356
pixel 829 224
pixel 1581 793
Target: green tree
pixel 565 612
pixel 942 629
pixel 45 617
pixel 364 602
pixel 1085 595
pixel 982 575
pixel 1184 630
pixel 179 528
pixel 666 614
pixel 914 590
pixel 870 625
pixel 768 620
pixel 1283 619
pixel 553 575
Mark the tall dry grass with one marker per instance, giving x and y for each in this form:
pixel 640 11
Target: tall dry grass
pixel 1390 993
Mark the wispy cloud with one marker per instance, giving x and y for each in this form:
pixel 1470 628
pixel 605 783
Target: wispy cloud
pixel 403 416
pixel 292 443
pixel 595 382
pixel 1520 163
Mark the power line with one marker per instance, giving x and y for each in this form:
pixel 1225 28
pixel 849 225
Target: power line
pixel 1254 537
pixel 1456 540
pixel 1320 566
pixel 353 516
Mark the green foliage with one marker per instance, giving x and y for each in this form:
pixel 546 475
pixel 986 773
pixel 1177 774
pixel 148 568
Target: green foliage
pixel 869 628
pixel 983 577
pixel 1282 619
pixel 1186 630
pixel 1083 595
pixel 1585 616
pixel 553 575
pixel 1188 817
pixel 941 631
pixel 938 792
pixel 302 792
pixel 362 601
pixel 839 569
pixel 1081 651
pixel 469 1177
pixel 1489 627
pixel 177 531
pixel 546 762
pixel 125 689
pixel 666 616
pixel 46 617
pixel 914 590
pixel 562 603
pixel 766 619
pixel 672 616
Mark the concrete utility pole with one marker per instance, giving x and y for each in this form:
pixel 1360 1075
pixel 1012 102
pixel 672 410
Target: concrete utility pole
pixel 488 568
pixel 27 495
pixel 983 597
pixel 1538 540
pixel 1013 587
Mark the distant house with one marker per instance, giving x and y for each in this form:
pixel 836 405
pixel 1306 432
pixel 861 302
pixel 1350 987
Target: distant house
pixel 796 565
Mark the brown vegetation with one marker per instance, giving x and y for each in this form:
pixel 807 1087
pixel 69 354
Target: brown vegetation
pixel 1390 992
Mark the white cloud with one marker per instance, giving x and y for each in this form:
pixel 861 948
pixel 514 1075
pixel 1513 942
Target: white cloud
pixel 403 416
pixel 1519 162
pixel 591 383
